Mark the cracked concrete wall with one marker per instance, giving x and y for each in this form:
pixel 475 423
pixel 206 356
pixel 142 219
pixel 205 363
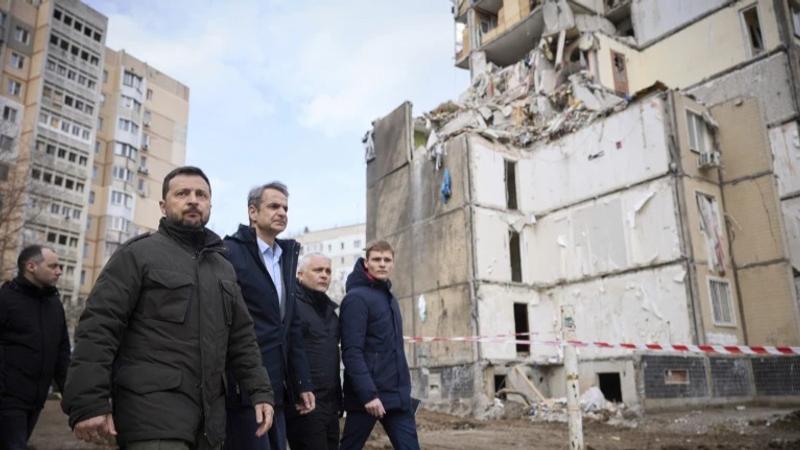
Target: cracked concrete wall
pixel 653 19
pixel 606 235
pixel 621 150
pixel 701 50
pixel 650 305
pixel 769 80
pixel 785 143
pixel 758 243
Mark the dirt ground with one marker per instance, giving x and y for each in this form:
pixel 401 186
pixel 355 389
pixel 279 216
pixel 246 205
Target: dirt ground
pixel 709 429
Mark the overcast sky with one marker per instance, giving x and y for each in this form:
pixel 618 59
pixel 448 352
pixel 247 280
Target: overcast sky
pixel 285 89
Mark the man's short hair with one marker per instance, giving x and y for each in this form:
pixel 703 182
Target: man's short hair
pixel 306 259
pixel 379 246
pixel 30 253
pixel 254 196
pixel 183 170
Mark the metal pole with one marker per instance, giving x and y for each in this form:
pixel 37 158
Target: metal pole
pixel 575 420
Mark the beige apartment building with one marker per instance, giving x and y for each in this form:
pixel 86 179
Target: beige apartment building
pixel 634 160
pixel 87 135
pixel 343 245
pixel 141 137
pixel 52 63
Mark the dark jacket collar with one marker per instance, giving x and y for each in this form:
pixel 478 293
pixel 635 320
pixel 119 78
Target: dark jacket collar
pixel 314 298
pixel 196 239
pixel 360 278
pixel 25 287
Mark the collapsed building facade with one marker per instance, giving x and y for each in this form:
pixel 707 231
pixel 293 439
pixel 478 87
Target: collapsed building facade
pixel 602 159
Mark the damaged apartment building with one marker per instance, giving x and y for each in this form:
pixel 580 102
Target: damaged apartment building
pixel 637 160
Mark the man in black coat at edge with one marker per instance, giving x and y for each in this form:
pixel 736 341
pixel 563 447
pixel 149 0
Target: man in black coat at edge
pixel 265 268
pixel 318 430
pixel 34 345
pixel 377 382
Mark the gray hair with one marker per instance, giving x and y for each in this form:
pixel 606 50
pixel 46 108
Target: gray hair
pixel 254 196
pixel 306 259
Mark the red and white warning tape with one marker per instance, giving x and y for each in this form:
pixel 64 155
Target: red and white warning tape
pixel 513 338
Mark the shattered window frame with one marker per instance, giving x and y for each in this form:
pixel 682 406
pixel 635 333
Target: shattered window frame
pixel 794 9
pixel 752 39
pixel 722 312
pixel 695 124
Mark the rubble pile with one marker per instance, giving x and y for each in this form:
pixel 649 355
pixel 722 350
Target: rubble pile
pixel 550 93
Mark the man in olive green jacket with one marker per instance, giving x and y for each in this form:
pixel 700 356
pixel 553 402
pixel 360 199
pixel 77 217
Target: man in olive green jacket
pixel 164 319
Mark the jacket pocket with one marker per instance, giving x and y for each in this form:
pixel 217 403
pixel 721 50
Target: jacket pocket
pixel 228 297
pixel 147 378
pixel 167 297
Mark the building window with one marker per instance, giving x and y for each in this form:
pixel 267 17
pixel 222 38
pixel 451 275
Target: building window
pixel 521 328
pixel 711 227
pixel 511 184
pixel 9 114
pixel 149 94
pixel 721 305
pixel 514 251
pixel 6 143
pixel 357 243
pixel 17 60
pixel 752 28
pixel 130 79
pixel 699 135
pixel 22 35
pixel 14 88
pixel 91 198
pixel 794 7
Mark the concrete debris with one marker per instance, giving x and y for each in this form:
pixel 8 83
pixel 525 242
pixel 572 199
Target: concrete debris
pixel 369 145
pixel 593 400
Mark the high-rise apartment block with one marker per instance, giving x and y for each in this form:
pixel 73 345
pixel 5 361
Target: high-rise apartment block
pixel 141 136
pixel 86 133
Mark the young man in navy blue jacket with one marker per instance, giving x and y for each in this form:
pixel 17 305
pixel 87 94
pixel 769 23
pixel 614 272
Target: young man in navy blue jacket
pixel 265 268
pixel 377 384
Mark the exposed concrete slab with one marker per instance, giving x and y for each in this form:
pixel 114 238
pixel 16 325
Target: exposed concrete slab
pixel 653 18
pixel 742 138
pixel 426 201
pixel 610 234
pixel 437 260
pixel 791 220
pixel 757 223
pixel 768 79
pixel 621 150
pixel 393 143
pixel 785 143
pixel 771 312
pixel 388 205
pixel 448 313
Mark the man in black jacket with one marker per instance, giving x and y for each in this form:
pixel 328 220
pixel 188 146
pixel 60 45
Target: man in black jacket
pixel 163 320
pixel 377 383
pixel 34 345
pixel 265 269
pixel 318 430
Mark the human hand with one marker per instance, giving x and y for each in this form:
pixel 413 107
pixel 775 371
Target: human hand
pixel 308 403
pixel 375 408
pixel 264 413
pixel 96 430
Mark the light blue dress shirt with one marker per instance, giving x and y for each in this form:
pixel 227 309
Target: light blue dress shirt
pixel 272 260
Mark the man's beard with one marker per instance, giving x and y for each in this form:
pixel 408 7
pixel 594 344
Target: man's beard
pixel 179 220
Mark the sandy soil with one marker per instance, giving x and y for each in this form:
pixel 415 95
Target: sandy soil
pixel 709 429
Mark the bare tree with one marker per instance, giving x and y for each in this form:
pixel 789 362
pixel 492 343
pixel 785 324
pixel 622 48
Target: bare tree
pixel 16 210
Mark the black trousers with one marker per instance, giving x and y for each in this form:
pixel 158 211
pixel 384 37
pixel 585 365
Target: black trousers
pixel 317 430
pixel 16 426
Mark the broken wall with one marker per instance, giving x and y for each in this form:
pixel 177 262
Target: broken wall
pixel 607 235
pixel 759 247
pixel 649 305
pixel 653 19
pixel 699 51
pixel 621 150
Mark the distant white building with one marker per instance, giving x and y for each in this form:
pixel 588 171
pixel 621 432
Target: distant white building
pixel 343 245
